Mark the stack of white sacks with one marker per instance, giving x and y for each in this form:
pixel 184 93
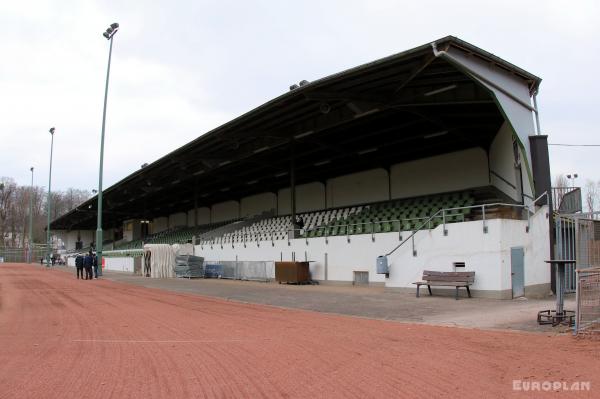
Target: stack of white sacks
pixel 162 258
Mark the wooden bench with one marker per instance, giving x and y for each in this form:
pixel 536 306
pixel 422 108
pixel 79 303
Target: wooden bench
pixel 449 279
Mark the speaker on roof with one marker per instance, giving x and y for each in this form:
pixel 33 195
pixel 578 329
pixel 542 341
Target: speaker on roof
pixel 324 108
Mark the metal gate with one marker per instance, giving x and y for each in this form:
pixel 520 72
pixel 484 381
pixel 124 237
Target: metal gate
pixel 578 238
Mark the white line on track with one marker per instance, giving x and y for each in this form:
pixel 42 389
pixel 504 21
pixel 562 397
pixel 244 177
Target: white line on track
pixel 136 341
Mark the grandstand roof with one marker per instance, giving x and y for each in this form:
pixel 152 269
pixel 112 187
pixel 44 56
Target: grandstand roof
pixel 403 107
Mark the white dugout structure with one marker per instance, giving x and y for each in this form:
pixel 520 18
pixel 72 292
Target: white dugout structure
pixel 433 156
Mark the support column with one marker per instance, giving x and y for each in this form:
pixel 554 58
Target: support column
pixel 196 203
pixel 293 188
pixel 542 181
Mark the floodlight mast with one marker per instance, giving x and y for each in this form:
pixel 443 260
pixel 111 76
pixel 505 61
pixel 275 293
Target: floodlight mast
pixel 48 241
pixel 108 34
pixel 30 246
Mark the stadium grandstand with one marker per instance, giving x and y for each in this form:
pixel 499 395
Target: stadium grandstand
pixel 432 157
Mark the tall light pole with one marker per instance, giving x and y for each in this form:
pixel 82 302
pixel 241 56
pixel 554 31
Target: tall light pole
pixel 108 34
pixel 30 219
pixel 572 178
pixel 48 242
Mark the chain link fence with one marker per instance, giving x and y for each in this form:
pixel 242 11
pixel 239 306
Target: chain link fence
pixel 240 270
pixel 21 255
pixel 588 302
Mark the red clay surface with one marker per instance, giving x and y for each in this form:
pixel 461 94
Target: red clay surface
pixel 64 338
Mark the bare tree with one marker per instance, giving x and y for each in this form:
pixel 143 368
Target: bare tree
pixel 561 181
pixel 14 210
pixel 7 188
pixel 560 188
pixel 591 195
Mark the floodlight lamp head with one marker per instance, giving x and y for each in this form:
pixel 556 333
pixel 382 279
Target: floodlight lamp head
pixel 31 169
pixel 109 30
pixel 51 130
pixel 114 25
pixel 106 35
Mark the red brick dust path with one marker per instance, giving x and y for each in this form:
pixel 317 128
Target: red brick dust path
pixel 66 338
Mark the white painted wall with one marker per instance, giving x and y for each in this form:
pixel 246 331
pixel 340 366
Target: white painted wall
pixel 309 197
pixel 70 238
pixel 190 218
pixel 158 224
pixel 128 230
pixel 204 216
pixel 177 219
pixel 537 248
pixel 519 116
pixel 257 204
pixel 486 254
pixel 124 264
pixel 502 161
pixel 87 236
pixel 358 188
pixel 448 172
pixel 225 211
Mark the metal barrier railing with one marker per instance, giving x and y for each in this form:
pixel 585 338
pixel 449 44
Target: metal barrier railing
pixel 442 215
pixel 483 219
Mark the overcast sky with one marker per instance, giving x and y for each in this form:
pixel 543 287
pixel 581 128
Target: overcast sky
pixel 182 68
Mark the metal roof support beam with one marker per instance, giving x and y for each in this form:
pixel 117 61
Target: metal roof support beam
pixel 413 74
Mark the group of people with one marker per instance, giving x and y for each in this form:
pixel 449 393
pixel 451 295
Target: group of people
pixel 54 259
pixel 87 263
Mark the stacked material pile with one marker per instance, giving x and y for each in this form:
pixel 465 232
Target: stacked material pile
pixel 189 266
pixel 161 259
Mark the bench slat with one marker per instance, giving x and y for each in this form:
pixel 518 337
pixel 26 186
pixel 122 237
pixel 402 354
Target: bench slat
pixel 445 283
pixel 456 274
pixel 468 279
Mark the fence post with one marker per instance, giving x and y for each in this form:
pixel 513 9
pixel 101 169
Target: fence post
pixel 485 229
pixel 372 231
pixel 444 222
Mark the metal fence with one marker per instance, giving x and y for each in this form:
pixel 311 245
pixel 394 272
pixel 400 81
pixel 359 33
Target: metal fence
pixel 578 238
pixel 240 270
pixel 588 302
pixel 442 217
pixel 20 255
pixel 566 199
pixel 565 230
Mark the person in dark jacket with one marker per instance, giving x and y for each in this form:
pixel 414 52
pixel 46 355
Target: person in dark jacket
pixel 88 261
pixel 95 263
pixel 79 266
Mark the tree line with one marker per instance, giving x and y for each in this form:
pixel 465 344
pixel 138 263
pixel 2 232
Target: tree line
pixel 14 210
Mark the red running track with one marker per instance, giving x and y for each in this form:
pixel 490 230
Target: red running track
pixel 66 338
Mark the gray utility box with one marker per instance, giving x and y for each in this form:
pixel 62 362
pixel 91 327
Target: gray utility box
pixel 382 265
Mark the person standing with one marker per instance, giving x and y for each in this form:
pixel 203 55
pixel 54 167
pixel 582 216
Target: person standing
pixel 87 264
pixel 79 266
pixel 95 263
